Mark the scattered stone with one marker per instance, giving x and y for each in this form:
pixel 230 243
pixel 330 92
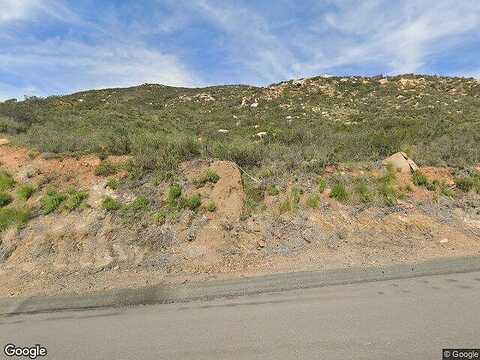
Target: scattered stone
pixel 444 241
pixel 49 156
pixel 223 131
pixel 254 105
pixel 205 97
pixel 98 193
pixel 26 173
pixel 261 134
pixel 261 244
pixel 299 83
pixel 195 227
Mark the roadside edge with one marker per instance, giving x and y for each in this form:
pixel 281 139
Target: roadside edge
pixel 212 289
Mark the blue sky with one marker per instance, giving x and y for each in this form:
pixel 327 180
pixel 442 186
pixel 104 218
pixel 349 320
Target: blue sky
pixel 60 46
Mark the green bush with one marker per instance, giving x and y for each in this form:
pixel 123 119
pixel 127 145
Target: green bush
pixel 74 199
pixel 212 176
pixel 111 204
pixel 139 205
pixel 156 151
pixel 241 152
pixel 24 192
pixel 193 202
pixel 10 126
pixel 273 190
pixel 211 206
pixel 340 193
pixel 159 217
pixel 13 217
pixel 419 179
pixel 5 199
pixel 389 193
pixel 448 192
pixel 433 186
pixel 6 181
pixel 465 183
pixel 52 201
pixel 174 193
pixel 313 201
pixel 106 168
pixel 295 195
pixel 322 184
pixel 113 183
pixel 364 193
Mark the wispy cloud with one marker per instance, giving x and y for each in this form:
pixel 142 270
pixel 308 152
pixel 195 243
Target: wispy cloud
pixel 31 10
pixel 68 66
pixel 402 35
pixel 250 41
pixel 93 56
pixel 52 46
pixel 392 37
pixel 12 10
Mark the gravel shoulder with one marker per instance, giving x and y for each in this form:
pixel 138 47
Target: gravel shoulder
pixel 208 290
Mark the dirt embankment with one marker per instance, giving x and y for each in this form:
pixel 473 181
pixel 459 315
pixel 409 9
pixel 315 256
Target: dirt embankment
pixel 91 248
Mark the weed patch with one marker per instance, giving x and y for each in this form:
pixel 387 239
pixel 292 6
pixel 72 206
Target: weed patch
pixel 419 179
pixel 273 190
pixel 340 193
pixel 210 177
pixel 111 204
pixel 13 217
pixel 6 181
pixel 52 201
pixel 193 202
pixel 322 184
pixel 313 201
pixel 5 199
pixel 364 193
pixel 106 168
pixel 24 192
pixel 211 207
pixel 74 199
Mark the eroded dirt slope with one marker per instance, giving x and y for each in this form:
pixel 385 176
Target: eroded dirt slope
pixel 91 248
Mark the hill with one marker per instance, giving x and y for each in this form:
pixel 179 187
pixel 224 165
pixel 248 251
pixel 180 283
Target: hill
pixel 319 121
pixel 154 184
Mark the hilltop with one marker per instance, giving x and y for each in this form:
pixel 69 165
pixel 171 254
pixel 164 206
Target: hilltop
pixel 136 186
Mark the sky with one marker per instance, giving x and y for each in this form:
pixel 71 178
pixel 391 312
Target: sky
pixel 51 47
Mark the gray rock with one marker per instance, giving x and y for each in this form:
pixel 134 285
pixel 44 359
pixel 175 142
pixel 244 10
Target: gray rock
pixel 49 156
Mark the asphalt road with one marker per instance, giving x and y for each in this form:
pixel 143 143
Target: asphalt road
pixel 395 319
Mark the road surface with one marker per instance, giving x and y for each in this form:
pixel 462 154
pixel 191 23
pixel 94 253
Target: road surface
pixel 395 319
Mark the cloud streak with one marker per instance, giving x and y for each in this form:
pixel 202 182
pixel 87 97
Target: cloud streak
pixel 55 46
pixel 98 56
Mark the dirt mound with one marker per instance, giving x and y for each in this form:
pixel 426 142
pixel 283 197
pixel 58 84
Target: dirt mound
pixel 227 193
